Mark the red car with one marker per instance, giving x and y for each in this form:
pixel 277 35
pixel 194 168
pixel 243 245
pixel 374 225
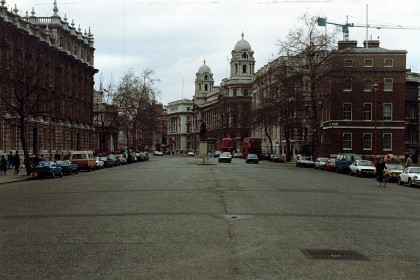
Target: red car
pixel 330 164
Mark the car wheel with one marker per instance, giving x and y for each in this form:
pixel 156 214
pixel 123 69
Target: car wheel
pixel 400 182
pixel 350 173
pixel 53 174
pixel 410 183
pixel 358 173
pixel 61 174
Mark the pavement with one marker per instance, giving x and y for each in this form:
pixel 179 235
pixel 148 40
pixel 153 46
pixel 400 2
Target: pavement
pixel 10 177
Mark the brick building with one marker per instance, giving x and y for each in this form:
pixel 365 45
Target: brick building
pixel 46 65
pixel 364 112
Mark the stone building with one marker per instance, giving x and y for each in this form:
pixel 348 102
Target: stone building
pixel 225 109
pixel 179 116
pixel 53 65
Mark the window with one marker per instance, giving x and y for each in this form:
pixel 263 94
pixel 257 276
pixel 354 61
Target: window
pixel 206 87
pixel 367 111
pixel 367 141
pixel 367 85
pixel 244 69
pixel 188 110
pixel 205 78
pixel 388 62
pixel 388 84
pixel 347 85
pixel 348 62
pixel 346 111
pixel 387 141
pixel 387 112
pixel 244 55
pixel 368 63
pixel 234 92
pixel 346 141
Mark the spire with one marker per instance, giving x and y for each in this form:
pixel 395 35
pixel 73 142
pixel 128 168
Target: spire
pixel 33 12
pixel 204 62
pixel 242 35
pixel 55 10
pixel 15 10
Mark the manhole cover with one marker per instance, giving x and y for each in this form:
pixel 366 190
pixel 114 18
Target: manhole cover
pixel 334 255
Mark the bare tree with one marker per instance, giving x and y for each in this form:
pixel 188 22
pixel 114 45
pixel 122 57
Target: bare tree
pixel 307 54
pixel 134 99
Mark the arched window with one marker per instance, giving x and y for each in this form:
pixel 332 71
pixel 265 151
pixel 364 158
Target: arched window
pixel 205 87
pixel 244 55
pixel 205 78
pixel 244 69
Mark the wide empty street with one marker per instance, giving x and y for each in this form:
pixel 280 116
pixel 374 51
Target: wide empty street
pixel 173 218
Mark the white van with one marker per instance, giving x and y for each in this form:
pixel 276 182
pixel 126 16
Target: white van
pixel 84 159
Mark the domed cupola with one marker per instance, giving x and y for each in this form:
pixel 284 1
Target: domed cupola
pixel 204 80
pixel 242 62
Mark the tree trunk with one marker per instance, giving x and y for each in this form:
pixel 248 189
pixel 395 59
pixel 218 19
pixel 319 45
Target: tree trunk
pixel 24 143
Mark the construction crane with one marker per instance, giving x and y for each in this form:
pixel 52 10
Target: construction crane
pixel 322 21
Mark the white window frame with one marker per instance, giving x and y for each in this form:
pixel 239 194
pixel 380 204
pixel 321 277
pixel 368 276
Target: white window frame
pixel 367 141
pixel 383 111
pixel 365 112
pixel 366 64
pixel 367 85
pixel 347 141
pixel 351 112
pixel 390 142
pixel 345 84
pixel 388 87
pixel 388 59
pixel 348 62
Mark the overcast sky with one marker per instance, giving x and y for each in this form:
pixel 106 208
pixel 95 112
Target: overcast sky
pixel 173 37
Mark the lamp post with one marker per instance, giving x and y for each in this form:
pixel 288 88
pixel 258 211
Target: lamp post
pixel 375 91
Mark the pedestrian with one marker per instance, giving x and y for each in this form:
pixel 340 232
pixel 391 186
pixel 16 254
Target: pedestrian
pixel 17 163
pixel 10 160
pixel 380 167
pixel 3 165
pixel 409 161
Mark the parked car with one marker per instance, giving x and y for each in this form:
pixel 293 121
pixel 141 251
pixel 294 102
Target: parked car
pixel 68 166
pixel 343 161
pixel 304 162
pixel 252 158
pixel 330 164
pixel 46 168
pixel 277 158
pixel 115 160
pixel 157 153
pixel 225 157
pixel 362 168
pixel 84 159
pixel 393 171
pixel 410 176
pixel 107 161
pixel 99 163
pixel 146 156
pixel 190 154
pixel 122 158
pixel 320 163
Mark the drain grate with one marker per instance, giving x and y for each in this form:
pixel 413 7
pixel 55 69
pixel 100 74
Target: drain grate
pixel 334 255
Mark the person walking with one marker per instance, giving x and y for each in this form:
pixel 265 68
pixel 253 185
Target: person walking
pixel 409 161
pixel 17 163
pixel 3 165
pixel 10 160
pixel 380 167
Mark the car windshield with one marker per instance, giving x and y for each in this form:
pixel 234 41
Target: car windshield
pixel 414 170
pixel 252 156
pixel 394 166
pixel 365 163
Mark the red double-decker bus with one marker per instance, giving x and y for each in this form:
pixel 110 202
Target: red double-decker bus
pixel 252 145
pixel 226 145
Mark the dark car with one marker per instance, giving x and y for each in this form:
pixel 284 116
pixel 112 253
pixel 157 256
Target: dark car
pixel 252 158
pixel 46 168
pixel 304 162
pixel 68 166
pixel 225 157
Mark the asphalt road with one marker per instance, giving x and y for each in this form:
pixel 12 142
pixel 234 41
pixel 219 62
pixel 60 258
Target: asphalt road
pixel 171 218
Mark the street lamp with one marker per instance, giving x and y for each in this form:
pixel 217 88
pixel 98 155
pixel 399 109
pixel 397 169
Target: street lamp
pixel 375 88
